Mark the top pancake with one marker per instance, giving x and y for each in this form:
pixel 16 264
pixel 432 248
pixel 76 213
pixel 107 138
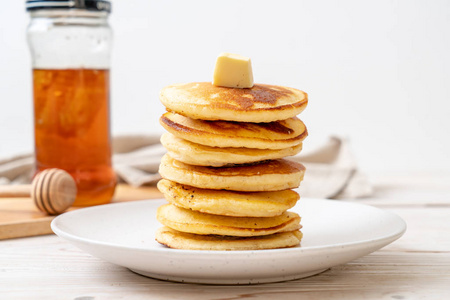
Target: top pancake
pixel 261 103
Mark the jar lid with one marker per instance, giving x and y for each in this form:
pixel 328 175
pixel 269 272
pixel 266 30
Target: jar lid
pixel 93 5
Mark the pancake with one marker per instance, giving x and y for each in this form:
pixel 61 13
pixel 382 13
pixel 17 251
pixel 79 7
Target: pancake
pixel 261 103
pixel 196 154
pixel 228 203
pixel 272 175
pixel 186 220
pixel 274 135
pixel 188 241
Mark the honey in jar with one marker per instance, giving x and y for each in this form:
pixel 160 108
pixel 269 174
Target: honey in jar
pixel 71 115
pixel 70 45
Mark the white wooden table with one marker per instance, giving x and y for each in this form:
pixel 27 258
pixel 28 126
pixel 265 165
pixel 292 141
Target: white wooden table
pixel 417 266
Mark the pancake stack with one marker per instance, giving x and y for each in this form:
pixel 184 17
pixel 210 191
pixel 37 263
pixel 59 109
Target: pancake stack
pixel 225 176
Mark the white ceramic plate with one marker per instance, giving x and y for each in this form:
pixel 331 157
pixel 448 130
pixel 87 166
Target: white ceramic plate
pixel 335 232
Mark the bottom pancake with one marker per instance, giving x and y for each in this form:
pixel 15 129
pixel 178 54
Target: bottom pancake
pixel 188 241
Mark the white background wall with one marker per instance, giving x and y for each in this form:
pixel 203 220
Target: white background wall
pixel 377 72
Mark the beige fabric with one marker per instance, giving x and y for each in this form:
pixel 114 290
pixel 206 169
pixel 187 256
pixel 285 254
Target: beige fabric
pixel 331 171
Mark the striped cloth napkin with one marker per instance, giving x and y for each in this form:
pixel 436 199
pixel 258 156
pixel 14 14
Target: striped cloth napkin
pixel 331 170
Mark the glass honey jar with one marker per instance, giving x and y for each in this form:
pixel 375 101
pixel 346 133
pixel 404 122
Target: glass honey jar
pixel 70 45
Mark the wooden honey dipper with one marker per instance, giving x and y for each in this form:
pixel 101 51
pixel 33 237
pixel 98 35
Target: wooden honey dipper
pixel 52 190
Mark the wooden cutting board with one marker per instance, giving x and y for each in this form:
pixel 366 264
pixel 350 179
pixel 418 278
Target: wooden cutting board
pixel 20 218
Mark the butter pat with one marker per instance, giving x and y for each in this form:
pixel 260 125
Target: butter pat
pixel 233 70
